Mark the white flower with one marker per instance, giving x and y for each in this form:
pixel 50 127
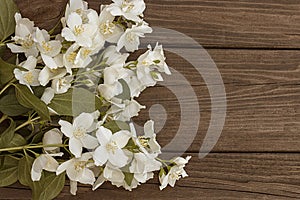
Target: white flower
pixel 78 6
pixel 76 57
pixel 46 47
pixel 43 162
pixel 61 85
pixel 131 38
pixel 147 142
pixel 78 133
pixel 144 163
pixel 175 173
pixel 78 32
pixel 150 65
pixel 114 58
pixel 52 137
pixel 48 74
pixel 24 37
pixel 111 86
pixel 112 174
pixel 110 31
pixel 134 84
pixel 126 110
pixel 110 148
pixel 30 77
pixel 130 9
pixel 48 95
pixel 78 171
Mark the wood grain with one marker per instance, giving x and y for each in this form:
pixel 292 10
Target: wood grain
pixel 218 176
pixel 256 47
pixel 225 24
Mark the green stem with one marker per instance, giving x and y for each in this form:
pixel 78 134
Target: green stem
pixel 27 123
pixel 31 147
pixel 7 86
pixel 4 117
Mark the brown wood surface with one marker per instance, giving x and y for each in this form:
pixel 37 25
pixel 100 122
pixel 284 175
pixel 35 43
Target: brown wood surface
pixel 256 46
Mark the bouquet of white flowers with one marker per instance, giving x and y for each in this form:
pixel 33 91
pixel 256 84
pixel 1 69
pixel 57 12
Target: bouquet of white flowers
pixel 68 96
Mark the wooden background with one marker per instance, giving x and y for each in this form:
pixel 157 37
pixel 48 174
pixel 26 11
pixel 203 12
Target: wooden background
pixel 256 46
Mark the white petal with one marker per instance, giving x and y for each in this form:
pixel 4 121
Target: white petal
pixel 73 187
pixel 30 63
pixel 100 156
pixel 98 182
pixel 121 138
pixel 53 136
pixel 66 128
pixel 68 34
pixel 84 120
pixel 87 177
pixel 37 168
pixel 89 141
pixel 118 159
pixel 149 129
pixel 74 20
pixel 48 95
pixel 103 135
pixel 63 167
pixel 51 165
pixel 75 147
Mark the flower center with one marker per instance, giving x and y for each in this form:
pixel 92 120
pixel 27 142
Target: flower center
pixel 46 46
pixel 26 42
pixel 107 28
pixel 145 62
pixel 127 6
pixel 71 57
pixel 78 30
pixel 86 53
pixel 143 141
pixel 175 176
pixel 79 133
pixel 80 165
pixel 130 37
pixel 29 77
pixel 111 147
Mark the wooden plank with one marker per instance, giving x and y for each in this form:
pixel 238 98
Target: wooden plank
pixel 262 89
pixel 227 23
pixel 237 67
pixel 218 176
pixel 259 117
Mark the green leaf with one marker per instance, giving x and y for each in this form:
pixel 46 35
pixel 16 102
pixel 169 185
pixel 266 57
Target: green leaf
pixel 6 71
pixel 7 21
pixel 128 178
pixel 75 101
pixel 2 50
pixel 17 141
pixel 116 126
pixel 9 104
pixel 125 95
pixel 24 171
pixel 29 100
pixel 8 172
pixel 7 136
pixel 162 172
pixel 48 187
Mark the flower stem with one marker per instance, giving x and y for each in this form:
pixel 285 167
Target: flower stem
pixel 32 147
pixel 4 117
pixel 27 123
pixel 3 89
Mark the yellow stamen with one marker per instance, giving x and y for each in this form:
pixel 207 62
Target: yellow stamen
pixel 78 30
pixel 29 77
